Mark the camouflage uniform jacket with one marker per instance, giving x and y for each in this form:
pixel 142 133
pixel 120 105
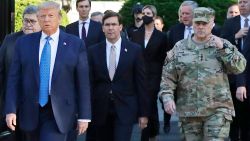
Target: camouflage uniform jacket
pixel 197 73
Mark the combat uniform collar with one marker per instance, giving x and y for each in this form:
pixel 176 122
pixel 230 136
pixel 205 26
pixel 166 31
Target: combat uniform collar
pixel 192 45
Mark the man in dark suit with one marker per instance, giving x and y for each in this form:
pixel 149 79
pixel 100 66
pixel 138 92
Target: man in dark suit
pixel 118 86
pixel 236 34
pixel 88 30
pixel 30 25
pixel 243 84
pixel 49 77
pixel 184 29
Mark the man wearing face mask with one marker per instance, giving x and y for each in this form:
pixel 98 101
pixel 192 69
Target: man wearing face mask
pixel 154 44
pixel 30 25
pixel 137 14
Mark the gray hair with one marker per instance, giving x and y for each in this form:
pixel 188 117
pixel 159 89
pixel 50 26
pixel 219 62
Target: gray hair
pixel 152 8
pixel 96 14
pixel 31 9
pixel 190 3
pixel 50 5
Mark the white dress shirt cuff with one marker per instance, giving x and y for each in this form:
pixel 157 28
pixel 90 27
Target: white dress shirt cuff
pixel 84 120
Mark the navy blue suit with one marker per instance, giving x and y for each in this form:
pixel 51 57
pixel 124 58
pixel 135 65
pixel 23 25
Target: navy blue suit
pixel 69 95
pixel 243 80
pixel 241 108
pixel 6 55
pixel 95 34
pixel 127 90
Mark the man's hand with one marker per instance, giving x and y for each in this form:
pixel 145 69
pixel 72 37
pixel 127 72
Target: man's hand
pixel 170 107
pixel 11 121
pixel 82 127
pixel 143 122
pixel 216 41
pixel 242 32
pixel 241 93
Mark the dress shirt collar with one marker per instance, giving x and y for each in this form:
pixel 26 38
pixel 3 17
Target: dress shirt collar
pixel 116 44
pixel 186 27
pixel 54 36
pixel 243 18
pixel 86 21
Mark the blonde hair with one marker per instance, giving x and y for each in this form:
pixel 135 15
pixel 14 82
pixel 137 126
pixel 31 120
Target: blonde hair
pixel 152 8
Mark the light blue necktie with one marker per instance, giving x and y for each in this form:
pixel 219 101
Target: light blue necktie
pixel 45 73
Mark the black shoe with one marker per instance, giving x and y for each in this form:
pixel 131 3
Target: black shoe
pixel 166 129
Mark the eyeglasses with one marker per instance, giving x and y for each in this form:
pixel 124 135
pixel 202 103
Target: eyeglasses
pixel 30 21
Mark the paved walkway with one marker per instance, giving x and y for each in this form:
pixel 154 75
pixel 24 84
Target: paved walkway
pixel 174 134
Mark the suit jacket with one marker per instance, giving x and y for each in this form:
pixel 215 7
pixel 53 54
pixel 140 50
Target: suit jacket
pixel 70 92
pixel 154 54
pixel 6 55
pixel 176 33
pixel 243 78
pixel 95 33
pixel 228 32
pixel 127 87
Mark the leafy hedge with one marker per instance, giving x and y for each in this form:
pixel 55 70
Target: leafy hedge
pixel 20 6
pixel 168 9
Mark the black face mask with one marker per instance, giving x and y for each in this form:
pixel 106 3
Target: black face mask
pixel 147 19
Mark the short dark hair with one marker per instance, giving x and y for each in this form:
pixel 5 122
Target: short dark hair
pixel 112 14
pixel 83 0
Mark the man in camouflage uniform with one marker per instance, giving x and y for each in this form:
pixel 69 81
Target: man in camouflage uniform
pixel 196 69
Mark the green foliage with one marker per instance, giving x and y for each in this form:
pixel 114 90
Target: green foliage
pixel 65 20
pixel 168 9
pixel 20 6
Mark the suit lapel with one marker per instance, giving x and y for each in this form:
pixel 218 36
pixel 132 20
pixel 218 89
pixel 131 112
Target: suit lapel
pixel 103 59
pixel 122 60
pixel 151 40
pixel 91 28
pixel 35 51
pixel 76 28
pixel 141 37
pixel 247 43
pixel 62 43
pixel 182 30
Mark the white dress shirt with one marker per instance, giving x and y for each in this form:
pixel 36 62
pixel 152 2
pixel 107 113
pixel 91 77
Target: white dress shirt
pixel 186 31
pixel 86 25
pixel 117 50
pixel 53 43
pixel 242 21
